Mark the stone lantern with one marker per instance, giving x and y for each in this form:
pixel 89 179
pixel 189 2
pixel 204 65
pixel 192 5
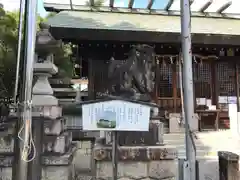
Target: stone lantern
pixel 44 67
pixel 45 43
pixel 52 141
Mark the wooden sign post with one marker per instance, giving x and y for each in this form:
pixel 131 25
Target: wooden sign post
pixel 116 115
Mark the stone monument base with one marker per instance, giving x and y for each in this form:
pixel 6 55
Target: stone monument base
pixel 140 162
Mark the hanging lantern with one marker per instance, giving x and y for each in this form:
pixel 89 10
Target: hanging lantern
pixel 181 59
pixel 163 62
pixel 171 59
pixel 230 52
pixel 157 60
pixel 222 52
pixel 201 62
pixel 194 59
pixel 177 60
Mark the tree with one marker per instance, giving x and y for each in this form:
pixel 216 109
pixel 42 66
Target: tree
pixel 8 52
pixel 8 49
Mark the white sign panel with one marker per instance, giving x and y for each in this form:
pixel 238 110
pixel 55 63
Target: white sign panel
pixel 201 101
pixel 232 100
pixel 223 99
pixel 116 115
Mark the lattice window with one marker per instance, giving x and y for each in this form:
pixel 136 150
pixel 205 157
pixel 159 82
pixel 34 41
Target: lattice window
pixel 226 78
pixel 100 76
pixel 165 88
pixel 178 81
pixel 202 80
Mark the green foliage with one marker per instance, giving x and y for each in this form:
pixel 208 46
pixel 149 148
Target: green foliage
pixel 63 62
pixel 8 52
pixel 8 49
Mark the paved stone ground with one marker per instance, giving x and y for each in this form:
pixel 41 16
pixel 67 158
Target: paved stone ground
pixel 207 144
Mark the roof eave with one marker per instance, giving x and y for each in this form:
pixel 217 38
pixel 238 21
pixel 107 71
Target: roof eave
pixel 53 7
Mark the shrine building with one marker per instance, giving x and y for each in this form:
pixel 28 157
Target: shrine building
pixel 99 33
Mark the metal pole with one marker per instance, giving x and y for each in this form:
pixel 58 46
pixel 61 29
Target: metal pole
pixel 20 28
pixel 30 47
pixel 31 25
pixel 20 167
pixel 35 168
pixel 237 91
pixel 115 155
pixel 188 86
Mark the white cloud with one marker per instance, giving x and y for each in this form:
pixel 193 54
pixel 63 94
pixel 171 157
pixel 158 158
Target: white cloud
pixel 83 2
pixel 10 5
pixel 116 4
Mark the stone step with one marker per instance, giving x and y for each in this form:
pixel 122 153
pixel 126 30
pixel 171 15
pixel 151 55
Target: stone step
pixel 205 153
pixel 65 90
pixel 208 142
pixel 176 142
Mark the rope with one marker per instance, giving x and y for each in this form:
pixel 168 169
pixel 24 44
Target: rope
pixel 28 142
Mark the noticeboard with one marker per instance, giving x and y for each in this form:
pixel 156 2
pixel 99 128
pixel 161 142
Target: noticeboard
pixel 116 115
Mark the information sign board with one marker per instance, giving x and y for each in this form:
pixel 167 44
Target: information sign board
pixel 115 115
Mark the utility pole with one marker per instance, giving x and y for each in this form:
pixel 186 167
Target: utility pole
pixel 25 116
pixel 19 171
pixel 188 88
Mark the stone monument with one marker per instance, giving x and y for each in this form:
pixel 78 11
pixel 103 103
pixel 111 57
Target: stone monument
pixel 141 155
pixel 134 79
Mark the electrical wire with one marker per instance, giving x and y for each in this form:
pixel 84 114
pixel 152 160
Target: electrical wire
pixel 181 93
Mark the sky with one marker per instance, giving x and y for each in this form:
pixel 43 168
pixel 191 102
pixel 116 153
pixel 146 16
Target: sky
pixel 11 5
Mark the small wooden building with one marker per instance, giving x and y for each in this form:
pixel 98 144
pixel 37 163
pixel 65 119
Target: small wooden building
pixel 100 33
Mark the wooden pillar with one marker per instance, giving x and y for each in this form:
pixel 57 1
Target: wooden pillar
pixel 214 84
pixel 174 83
pixel 156 86
pixel 194 88
pixel 90 79
pixel 237 85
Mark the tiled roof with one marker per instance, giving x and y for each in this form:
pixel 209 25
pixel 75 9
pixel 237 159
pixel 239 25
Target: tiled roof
pixel 142 22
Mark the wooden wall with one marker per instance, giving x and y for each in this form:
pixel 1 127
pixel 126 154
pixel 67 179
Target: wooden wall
pixel 212 77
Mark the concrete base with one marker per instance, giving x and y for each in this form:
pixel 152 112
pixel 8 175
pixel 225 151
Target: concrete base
pixel 140 162
pixel 58 173
pixel 163 169
pixel 48 173
pixel 53 167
